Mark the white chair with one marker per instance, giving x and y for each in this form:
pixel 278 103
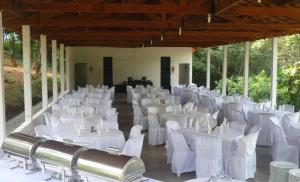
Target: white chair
pixel 281 149
pixel 241 164
pixel 129 94
pixel 215 114
pixel 183 159
pixel 234 112
pixel 189 106
pixel 139 118
pixel 209 159
pixel 237 125
pixel 47 119
pixel 287 121
pixel 44 132
pixel 111 115
pixel 135 131
pixel 133 147
pixel 265 123
pixel 287 107
pixel 156 134
pixel 170 125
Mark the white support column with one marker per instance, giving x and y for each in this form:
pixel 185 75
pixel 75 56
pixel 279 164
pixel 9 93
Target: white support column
pixel 67 69
pixel 224 70
pixel 44 71
pixel 274 71
pixel 27 72
pixel 2 100
pixel 246 68
pixel 208 68
pixel 62 68
pixel 54 69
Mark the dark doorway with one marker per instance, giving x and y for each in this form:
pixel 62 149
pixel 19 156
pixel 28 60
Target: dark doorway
pixel 80 75
pixel 165 74
pixel 107 71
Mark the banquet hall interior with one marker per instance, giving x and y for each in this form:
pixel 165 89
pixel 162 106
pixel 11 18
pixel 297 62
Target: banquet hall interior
pixel 118 101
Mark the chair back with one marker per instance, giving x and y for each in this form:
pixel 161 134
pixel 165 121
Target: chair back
pixel 178 142
pixel 133 146
pixel 208 147
pixel 288 119
pixel 135 131
pixel 153 121
pixel 278 133
pixel 44 132
pixel 246 146
pixel 237 125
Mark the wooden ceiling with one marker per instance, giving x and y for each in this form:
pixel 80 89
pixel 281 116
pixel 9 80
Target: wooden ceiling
pixel 134 23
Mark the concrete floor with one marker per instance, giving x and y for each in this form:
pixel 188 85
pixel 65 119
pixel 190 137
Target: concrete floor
pixel 154 157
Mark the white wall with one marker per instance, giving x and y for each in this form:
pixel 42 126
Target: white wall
pixel 134 62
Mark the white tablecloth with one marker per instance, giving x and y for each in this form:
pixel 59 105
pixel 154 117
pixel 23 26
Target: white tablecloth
pixel 230 137
pixel 114 138
pixel 161 107
pixel 165 116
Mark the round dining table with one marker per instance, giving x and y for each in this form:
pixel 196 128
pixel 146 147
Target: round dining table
pixel 111 139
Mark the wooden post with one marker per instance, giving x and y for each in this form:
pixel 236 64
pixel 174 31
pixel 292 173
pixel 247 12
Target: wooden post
pixel 274 72
pixel 44 71
pixel 62 68
pixel 54 69
pixel 208 68
pixel 2 100
pixel 246 69
pixel 27 72
pixel 224 70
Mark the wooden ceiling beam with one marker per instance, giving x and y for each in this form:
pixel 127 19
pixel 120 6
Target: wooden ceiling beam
pixel 35 6
pixel 266 11
pixel 224 5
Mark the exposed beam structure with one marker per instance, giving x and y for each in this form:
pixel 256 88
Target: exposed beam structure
pixel 134 23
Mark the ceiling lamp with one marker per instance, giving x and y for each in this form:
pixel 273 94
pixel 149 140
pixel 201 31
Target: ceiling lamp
pixel 209 18
pixel 259 1
pixel 179 32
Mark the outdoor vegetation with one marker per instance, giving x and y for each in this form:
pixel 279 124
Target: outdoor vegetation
pixel 288 89
pixel 13 74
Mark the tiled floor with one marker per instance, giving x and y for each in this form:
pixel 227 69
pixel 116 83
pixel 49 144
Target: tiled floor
pixel 154 157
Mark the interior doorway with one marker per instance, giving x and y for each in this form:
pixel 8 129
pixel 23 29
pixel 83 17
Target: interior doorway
pixel 107 71
pixel 165 73
pixel 184 73
pixel 80 75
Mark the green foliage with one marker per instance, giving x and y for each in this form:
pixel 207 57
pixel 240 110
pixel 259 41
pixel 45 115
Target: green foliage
pixel 288 88
pixel 9 79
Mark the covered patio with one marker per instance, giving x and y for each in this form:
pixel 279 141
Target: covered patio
pixel 144 48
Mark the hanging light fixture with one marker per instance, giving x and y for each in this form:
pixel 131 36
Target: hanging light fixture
pixel 161 37
pixel 209 18
pixel 179 32
pixel 259 1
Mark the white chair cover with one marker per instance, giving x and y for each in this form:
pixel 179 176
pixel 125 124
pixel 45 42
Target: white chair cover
pixel 139 118
pixel 44 132
pixel 265 123
pixel 133 146
pixel 237 125
pixel 111 125
pixel 287 121
pixel 170 125
pixel 281 150
pixel 135 131
pixel 241 164
pixel 287 107
pixel 189 106
pixel 183 159
pixel 209 159
pixel 156 133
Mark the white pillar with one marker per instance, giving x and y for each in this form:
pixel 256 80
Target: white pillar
pixel 274 71
pixel 54 69
pixel 67 69
pixel 27 72
pixel 246 68
pixel 44 71
pixel 224 70
pixel 2 100
pixel 62 68
pixel 208 68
